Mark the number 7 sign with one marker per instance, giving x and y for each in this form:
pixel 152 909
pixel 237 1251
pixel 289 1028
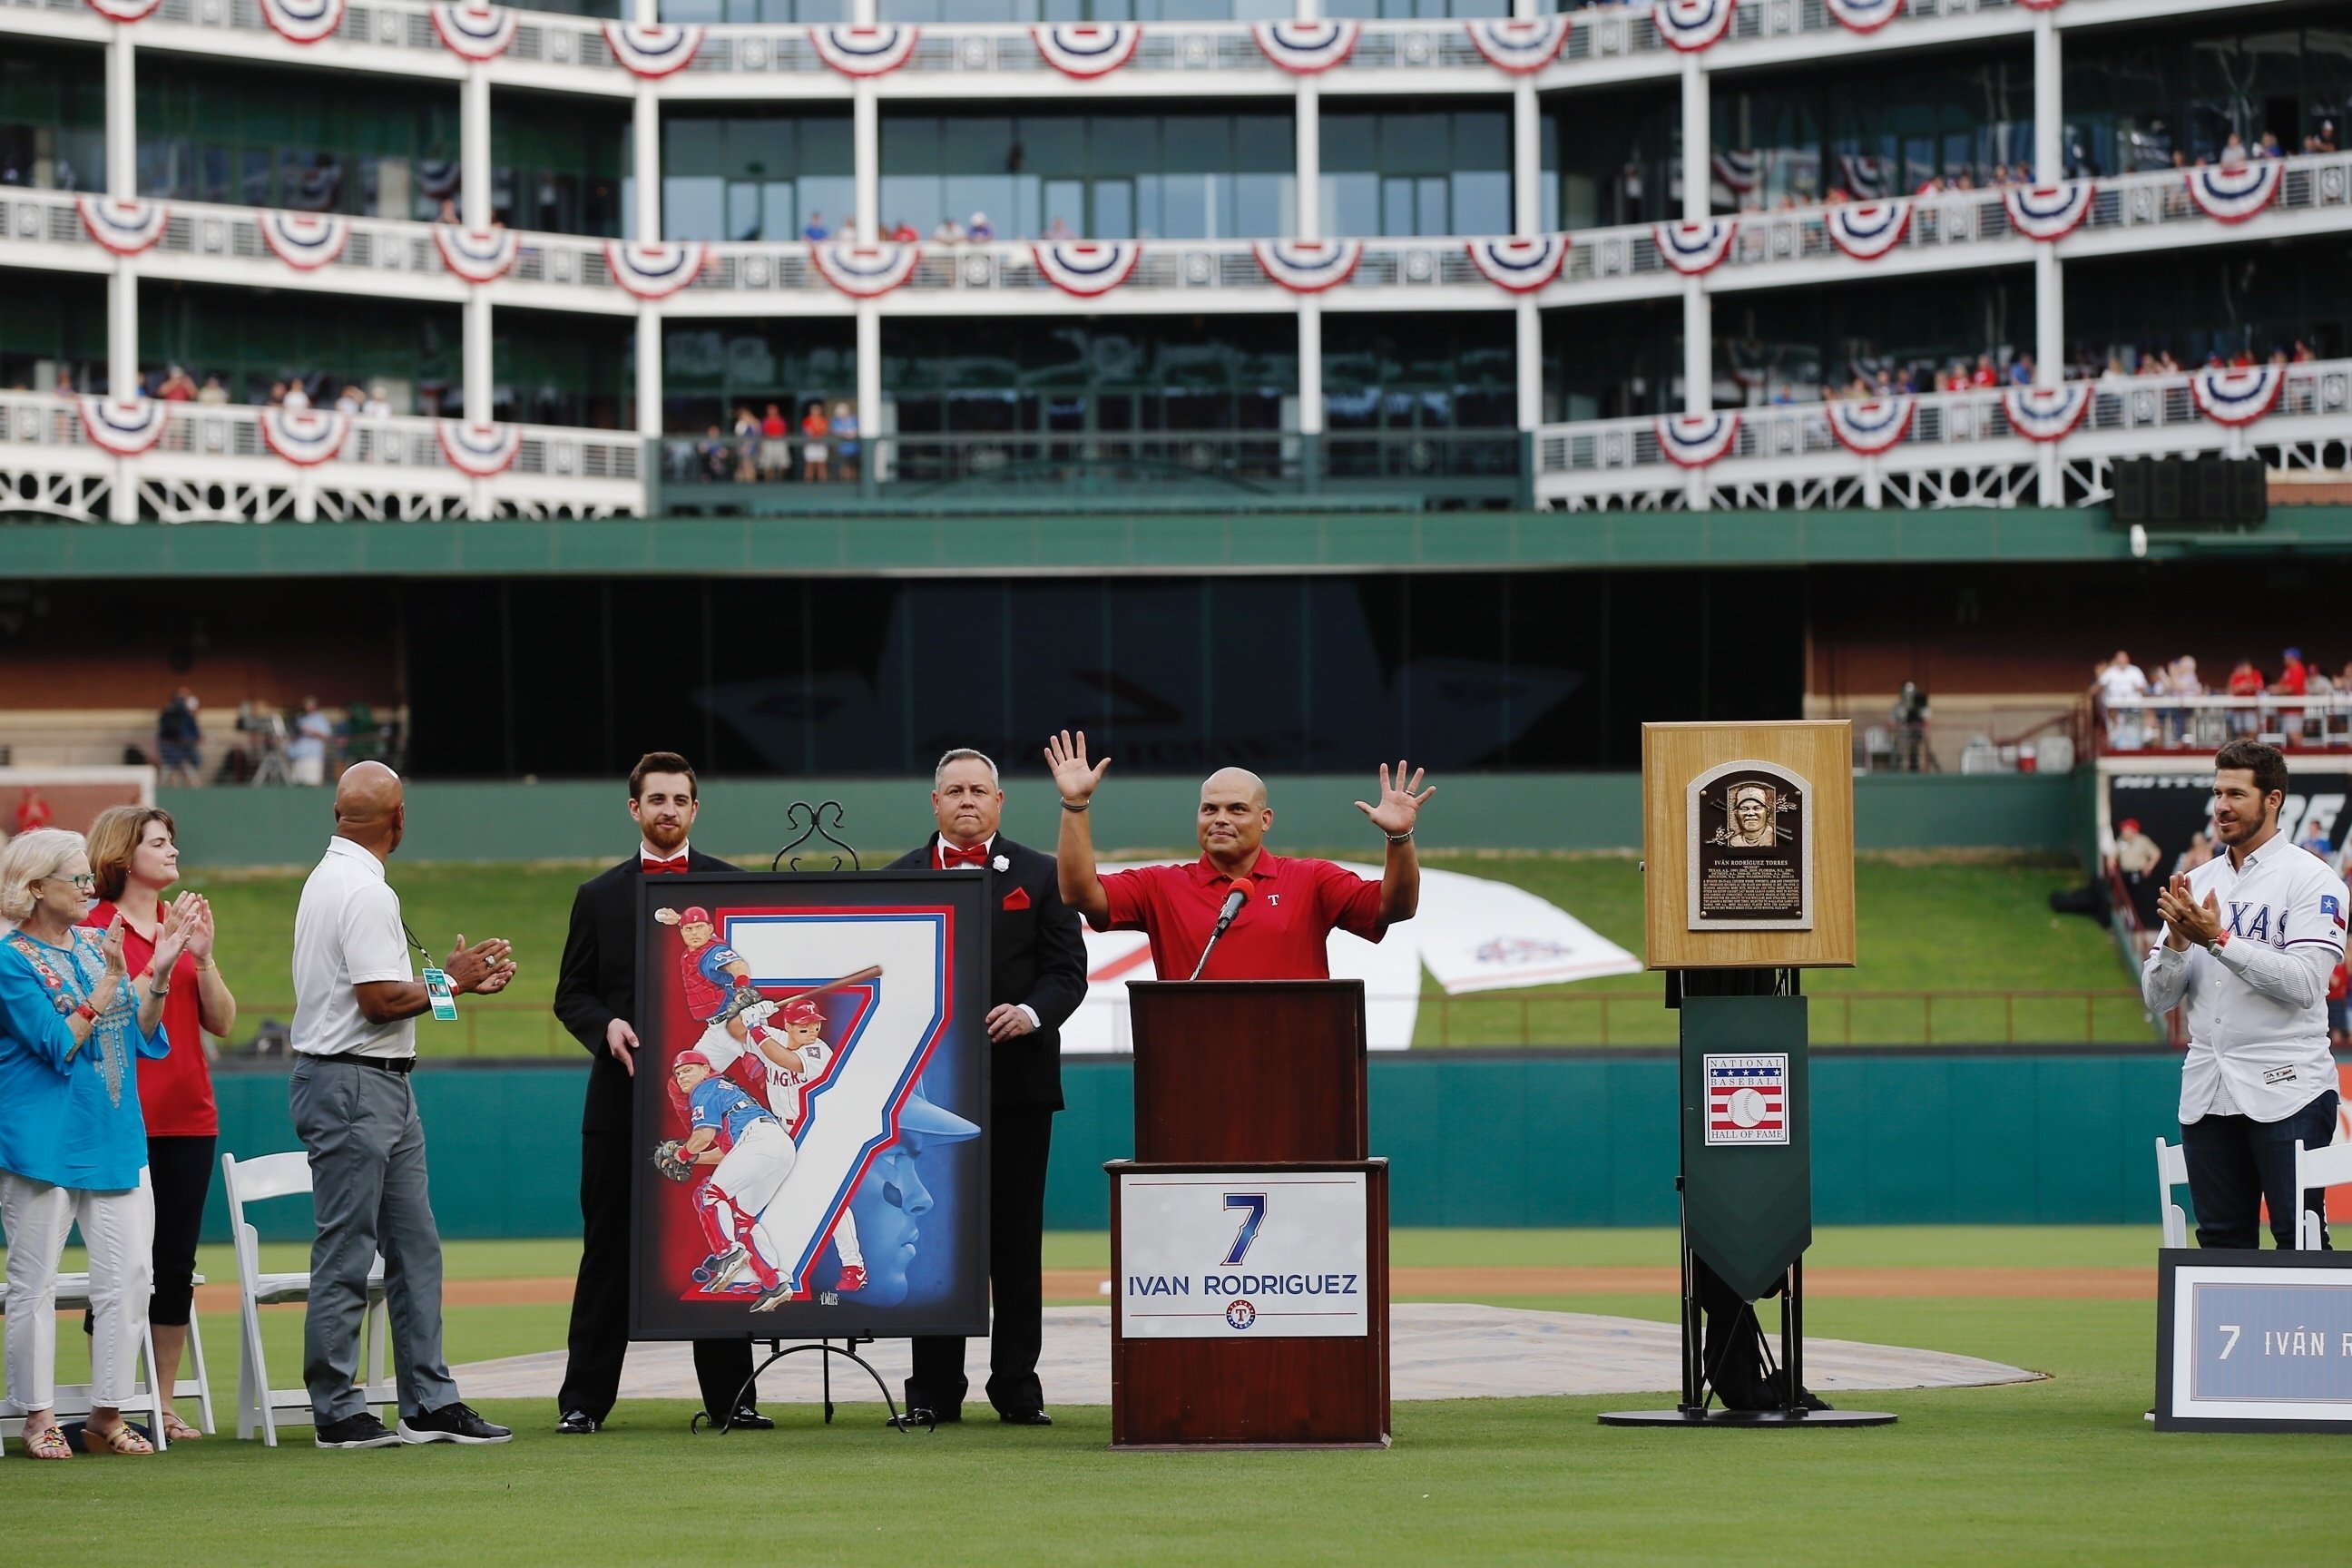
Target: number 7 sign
pixel 1254 1207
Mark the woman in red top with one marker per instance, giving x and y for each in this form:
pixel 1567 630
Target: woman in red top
pixel 134 855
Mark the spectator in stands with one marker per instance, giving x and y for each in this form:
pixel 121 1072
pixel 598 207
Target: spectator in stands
pixel 377 405
pixel 816 457
pixel 2233 152
pixel 178 387
pixel 712 451
pixel 949 232
pixel 212 392
pixel 747 445
pixel 32 811
pixel 979 229
pixel 306 754
pixel 814 230
pixel 2313 838
pixel 775 446
pixel 2120 680
pixel 1986 375
pixel 73 1142
pixel 2137 857
pixel 845 437
pixel 135 854
pixel 904 233
pixel 297 396
pixel 2292 678
pixel 2245 680
pixel 351 400
pixel 2200 850
pixel 2270 147
pixel 179 739
pixel 1059 228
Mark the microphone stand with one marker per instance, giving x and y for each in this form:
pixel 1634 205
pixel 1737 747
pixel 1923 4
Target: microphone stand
pixel 1233 902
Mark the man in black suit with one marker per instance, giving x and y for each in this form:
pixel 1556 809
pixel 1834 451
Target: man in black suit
pixel 1039 979
pixel 597 998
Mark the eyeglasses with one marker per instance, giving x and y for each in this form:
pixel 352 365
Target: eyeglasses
pixel 82 884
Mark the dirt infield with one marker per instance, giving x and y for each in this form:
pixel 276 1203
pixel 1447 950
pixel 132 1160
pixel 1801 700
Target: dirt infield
pixel 1463 1284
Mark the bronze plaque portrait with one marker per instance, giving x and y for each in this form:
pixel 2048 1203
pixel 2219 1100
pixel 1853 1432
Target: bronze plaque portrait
pixel 1751 853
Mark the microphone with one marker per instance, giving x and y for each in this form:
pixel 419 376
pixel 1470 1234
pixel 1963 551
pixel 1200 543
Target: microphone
pixel 1233 902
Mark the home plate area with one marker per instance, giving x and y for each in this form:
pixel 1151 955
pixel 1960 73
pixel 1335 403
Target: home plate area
pixel 1438 1350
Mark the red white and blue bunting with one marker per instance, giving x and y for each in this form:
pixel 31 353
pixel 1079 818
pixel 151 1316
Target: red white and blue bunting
pixel 303 21
pixel 479 451
pixel 653 49
pixel 1520 47
pixel 1869 428
pixel 2237 192
pixel 478 255
pixel 864 51
pixel 1737 169
pixel 865 272
pixel 125 10
pixel 475 29
pixel 124 427
pixel 1087 50
pixel 1864 16
pixel 1695 440
pixel 1302 48
pixel 2237 396
pixel 1522 266
pixel 1309 266
pixel 123 225
pixel 305 437
pixel 1086 268
pixel 304 241
pixel 1693 248
pixel 2049 213
pixel 1868 230
pixel 1691 25
pixel 653 270
pixel 2046 412
pixel 2040 5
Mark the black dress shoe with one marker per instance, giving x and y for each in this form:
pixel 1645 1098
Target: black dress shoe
pixel 577 1423
pixel 750 1420
pixel 1025 1418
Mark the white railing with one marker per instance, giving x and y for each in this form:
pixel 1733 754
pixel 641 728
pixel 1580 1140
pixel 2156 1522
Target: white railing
pixel 213 463
pixel 2319 721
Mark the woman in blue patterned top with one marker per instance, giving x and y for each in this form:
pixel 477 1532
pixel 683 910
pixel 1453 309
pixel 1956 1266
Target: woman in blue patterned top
pixel 73 1144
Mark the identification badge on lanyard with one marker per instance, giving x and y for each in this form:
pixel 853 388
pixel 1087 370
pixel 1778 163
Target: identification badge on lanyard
pixel 445 1001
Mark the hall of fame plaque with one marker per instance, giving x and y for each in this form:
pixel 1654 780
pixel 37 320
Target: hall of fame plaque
pixel 1750 865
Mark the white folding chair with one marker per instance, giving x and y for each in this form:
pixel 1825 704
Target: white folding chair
pixel 2327 1167
pixel 73 1399
pixel 2171 1171
pixel 258 1405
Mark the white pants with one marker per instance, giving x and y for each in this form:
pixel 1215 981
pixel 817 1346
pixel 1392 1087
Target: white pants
pixel 119 1230
pixel 306 769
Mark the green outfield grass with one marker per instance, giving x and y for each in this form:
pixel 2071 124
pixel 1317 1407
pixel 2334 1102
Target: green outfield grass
pixel 2060 1471
pixel 1927 923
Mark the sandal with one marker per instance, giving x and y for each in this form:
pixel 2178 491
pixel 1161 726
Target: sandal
pixel 178 1431
pixel 47 1444
pixel 121 1439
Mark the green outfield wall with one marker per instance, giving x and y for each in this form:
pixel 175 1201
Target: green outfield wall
pixel 512 821
pixel 1518 1139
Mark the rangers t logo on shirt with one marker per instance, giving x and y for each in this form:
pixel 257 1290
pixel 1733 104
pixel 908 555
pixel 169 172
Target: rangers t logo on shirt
pixel 1746 1098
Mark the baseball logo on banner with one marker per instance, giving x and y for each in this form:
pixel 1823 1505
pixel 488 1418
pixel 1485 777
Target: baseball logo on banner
pixel 2049 213
pixel 2234 193
pixel 2239 395
pixel 1304 48
pixel 1520 47
pixel 1747 1098
pixel 305 437
pixel 1088 266
pixel 1522 266
pixel 865 272
pixel 654 270
pixel 481 451
pixel 124 427
pixel 1864 16
pixel 1696 440
pixel 1693 248
pixel 125 10
pixel 1086 50
pixel 864 51
pixel 303 21
pixel 125 225
pixel 475 30
pixel 304 241
pixel 1691 25
pixel 1309 266
pixel 653 49
pixel 478 255
pixel 2046 412
pixel 1868 230
pixel 1867 427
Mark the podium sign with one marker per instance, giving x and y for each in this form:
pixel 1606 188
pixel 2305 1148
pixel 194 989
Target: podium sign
pixel 2254 1341
pixel 1747 1162
pixel 1243 1254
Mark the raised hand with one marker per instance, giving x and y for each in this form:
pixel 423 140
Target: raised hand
pixel 200 928
pixel 1066 757
pixel 180 917
pixel 110 946
pixel 483 969
pixel 1400 802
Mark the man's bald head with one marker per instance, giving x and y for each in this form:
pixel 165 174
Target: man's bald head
pixel 1226 783
pixel 1233 817
pixel 369 806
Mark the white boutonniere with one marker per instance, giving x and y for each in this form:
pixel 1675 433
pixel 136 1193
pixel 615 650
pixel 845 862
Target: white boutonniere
pixel 1001 863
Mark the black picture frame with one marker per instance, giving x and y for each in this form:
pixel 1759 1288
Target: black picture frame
pixel 2170 1262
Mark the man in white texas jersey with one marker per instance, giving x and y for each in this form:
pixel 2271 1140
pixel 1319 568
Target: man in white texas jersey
pixel 794 1062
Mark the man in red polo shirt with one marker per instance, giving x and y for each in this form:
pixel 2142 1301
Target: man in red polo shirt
pixel 1283 929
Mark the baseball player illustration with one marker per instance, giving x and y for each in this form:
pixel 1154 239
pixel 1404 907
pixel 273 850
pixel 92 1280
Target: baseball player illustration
pixel 794 1062
pixel 752 1155
pixel 716 981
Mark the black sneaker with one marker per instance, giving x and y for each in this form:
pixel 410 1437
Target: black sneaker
pixel 360 1431
pixel 454 1422
pixel 577 1423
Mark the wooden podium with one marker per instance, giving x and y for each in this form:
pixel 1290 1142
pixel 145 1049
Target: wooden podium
pixel 1249 1235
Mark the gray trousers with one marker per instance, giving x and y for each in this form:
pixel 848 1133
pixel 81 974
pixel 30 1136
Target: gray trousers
pixel 368 1194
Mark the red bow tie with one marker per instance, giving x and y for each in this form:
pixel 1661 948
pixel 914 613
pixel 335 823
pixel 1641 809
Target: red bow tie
pixel 950 857
pixel 675 866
